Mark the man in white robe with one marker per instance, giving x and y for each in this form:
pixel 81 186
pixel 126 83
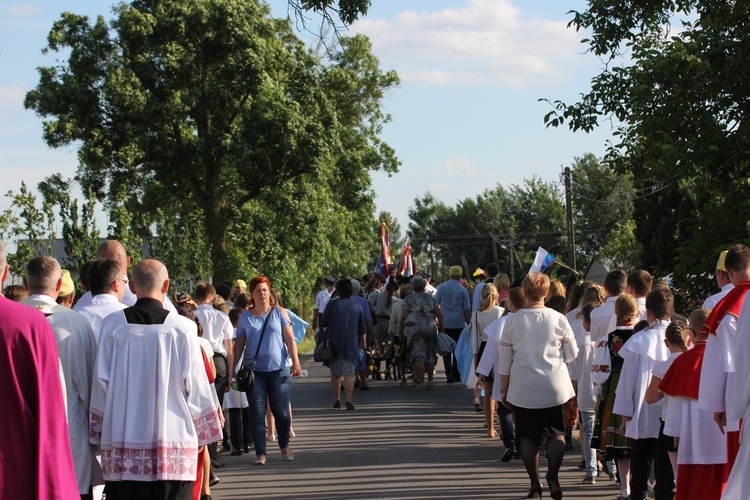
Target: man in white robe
pixel 107 287
pixel 151 404
pixel 603 319
pixel 77 348
pixel 639 285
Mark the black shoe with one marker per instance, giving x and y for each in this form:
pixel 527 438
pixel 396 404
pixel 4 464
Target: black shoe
pixel 535 492
pixel 365 387
pixel 236 452
pixel 449 380
pixel 508 455
pixel 249 447
pixel 217 464
pixel 227 445
pixel 554 487
pixel 356 383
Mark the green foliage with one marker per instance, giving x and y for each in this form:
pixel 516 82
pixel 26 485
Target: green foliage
pixel 212 123
pixel 28 226
pixel 679 102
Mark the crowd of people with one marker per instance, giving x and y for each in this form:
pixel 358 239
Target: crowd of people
pixel 646 387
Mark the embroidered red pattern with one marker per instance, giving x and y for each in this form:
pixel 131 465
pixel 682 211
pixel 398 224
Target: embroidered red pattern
pixel 208 428
pixel 152 464
pixel 95 427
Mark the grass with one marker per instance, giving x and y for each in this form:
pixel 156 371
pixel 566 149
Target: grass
pixel 308 343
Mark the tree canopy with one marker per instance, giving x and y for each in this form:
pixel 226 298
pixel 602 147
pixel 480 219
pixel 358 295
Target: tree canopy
pixel 211 115
pixel 675 84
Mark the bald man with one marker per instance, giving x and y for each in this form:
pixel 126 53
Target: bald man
pixel 150 398
pixel 114 250
pixel 77 347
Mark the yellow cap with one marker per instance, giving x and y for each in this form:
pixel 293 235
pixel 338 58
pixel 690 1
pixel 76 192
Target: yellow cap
pixel 720 263
pixel 455 271
pixel 67 284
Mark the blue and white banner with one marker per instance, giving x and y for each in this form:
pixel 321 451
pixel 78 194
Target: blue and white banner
pixel 542 261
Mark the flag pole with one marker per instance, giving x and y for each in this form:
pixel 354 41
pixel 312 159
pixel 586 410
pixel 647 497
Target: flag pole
pixel 566 267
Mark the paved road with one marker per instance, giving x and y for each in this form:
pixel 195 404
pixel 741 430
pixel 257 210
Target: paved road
pixel 397 443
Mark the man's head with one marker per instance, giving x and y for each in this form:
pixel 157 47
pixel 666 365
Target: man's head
pixel 659 304
pixel 239 288
pixel 615 282
pixel 104 277
pixel 114 250
pixel 356 287
pixel 737 263
pixel 329 282
pixel 3 264
pixel 722 276
pixel 639 283
pixel 204 293
pixel 455 272
pixel 43 276
pixel 83 276
pixel 150 280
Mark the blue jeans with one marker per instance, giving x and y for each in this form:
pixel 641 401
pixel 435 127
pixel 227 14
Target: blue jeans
pixel 587 423
pixel 506 425
pixel 274 387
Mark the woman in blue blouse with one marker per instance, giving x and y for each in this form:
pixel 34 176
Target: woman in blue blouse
pixel 273 373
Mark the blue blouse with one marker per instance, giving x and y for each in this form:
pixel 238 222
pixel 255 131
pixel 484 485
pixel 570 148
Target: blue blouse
pixel 273 354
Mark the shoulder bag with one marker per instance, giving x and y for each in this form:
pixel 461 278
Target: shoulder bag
pixel 323 352
pixel 245 376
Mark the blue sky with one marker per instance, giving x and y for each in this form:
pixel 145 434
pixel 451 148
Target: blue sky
pixel 465 117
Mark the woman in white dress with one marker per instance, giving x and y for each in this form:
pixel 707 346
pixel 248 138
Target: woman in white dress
pixel 487 313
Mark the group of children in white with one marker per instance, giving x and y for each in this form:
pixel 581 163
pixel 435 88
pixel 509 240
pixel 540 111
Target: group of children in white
pixel 655 390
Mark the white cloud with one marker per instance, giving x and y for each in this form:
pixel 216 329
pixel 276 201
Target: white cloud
pixel 21 9
pixel 483 42
pixel 12 95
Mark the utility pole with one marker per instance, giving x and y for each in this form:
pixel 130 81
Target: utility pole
pixel 512 266
pixel 569 213
pixel 494 249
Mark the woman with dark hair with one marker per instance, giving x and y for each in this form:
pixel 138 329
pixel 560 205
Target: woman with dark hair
pixel 346 333
pixel 428 321
pixel 265 337
pixel 535 346
pixel 383 305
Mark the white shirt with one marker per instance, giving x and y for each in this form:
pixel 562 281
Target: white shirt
pixel 603 320
pixel 98 308
pixel 76 347
pixel 480 321
pixel 430 290
pixel 535 346
pixel 321 300
pixel 714 299
pixel 216 327
pixel 640 354
pixel 151 403
pixel 488 361
pixel 580 371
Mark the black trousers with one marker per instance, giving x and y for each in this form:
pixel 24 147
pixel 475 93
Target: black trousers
pixel 148 490
pixel 449 360
pixel 221 383
pixel 649 453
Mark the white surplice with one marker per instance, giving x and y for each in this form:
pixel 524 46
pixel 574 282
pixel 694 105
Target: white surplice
pixel 717 375
pixel 100 306
pixel 640 354
pixel 151 403
pixel 77 349
pixel 738 485
pixel 603 320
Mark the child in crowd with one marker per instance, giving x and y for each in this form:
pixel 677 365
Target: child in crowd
pixel 701 450
pixel 640 355
pixel 676 341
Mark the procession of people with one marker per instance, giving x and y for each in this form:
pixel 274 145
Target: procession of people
pixel 127 387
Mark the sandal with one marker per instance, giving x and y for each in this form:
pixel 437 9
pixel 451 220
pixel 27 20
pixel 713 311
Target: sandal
pixel 337 404
pixel 477 406
pixel 349 406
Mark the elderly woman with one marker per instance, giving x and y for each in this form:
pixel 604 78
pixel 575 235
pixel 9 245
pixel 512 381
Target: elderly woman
pixel 423 341
pixel 265 337
pixel 535 346
pixel 346 333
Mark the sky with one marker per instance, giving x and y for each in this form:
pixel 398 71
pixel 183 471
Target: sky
pixel 465 117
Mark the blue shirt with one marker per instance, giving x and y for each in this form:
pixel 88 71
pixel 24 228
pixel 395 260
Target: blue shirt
pixel 453 300
pixel 272 355
pixel 364 305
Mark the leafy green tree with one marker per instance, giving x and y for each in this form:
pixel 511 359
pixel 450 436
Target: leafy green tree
pixel 216 101
pixel 678 100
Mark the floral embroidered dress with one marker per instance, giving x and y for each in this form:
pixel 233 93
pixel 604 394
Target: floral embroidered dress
pixel 606 374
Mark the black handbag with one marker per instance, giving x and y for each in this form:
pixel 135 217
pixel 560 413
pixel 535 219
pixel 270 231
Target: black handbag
pixel 323 352
pixel 245 377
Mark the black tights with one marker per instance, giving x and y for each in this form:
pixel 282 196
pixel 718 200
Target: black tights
pixel 530 453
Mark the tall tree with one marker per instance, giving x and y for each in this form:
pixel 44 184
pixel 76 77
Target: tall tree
pixel 214 100
pixel 680 102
